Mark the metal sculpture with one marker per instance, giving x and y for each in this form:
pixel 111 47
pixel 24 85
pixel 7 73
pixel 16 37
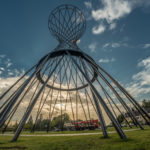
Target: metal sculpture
pixel 68 76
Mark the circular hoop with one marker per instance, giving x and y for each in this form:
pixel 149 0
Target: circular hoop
pixel 61 53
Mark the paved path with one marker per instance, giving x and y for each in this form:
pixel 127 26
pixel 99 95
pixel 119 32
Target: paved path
pixel 73 134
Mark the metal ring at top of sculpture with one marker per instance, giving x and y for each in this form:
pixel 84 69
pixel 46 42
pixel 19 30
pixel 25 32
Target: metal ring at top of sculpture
pixel 67 23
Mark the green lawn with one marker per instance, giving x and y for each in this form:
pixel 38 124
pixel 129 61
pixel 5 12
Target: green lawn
pixel 71 132
pixel 137 140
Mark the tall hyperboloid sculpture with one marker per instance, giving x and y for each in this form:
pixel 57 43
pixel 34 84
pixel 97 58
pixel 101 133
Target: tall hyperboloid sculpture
pixel 67 81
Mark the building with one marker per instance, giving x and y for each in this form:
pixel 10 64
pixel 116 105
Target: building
pixel 138 116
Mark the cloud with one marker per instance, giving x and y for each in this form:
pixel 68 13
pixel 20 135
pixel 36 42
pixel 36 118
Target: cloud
pixel 106 60
pixel 106 45
pixel 144 75
pixel 92 47
pixel 13 75
pixel 115 44
pixel 110 11
pixel 113 10
pixel 139 3
pixel 112 26
pixel 2 69
pixel 98 29
pixel 141 80
pixel 2 56
pixel 146 45
pixel 78 41
pixel 7 69
pixel 7 82
pixel 8 63
pixel 88 4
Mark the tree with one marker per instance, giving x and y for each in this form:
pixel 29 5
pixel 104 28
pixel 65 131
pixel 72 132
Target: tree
pixel 60 120
pixel 120 118
pixel 146 103
pixel 15 126
pixel 46 124
pixel 29 124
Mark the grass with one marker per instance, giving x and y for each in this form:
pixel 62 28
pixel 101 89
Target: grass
pixel 137 140
pixel 72 132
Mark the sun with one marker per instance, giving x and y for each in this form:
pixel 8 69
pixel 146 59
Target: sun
pixel 60 106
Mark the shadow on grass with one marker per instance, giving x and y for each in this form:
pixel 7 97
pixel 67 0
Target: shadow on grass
pixel 128 140
pixel 13 147
pixel 105 138
pixel 117 140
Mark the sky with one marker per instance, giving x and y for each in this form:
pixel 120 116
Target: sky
pixel 117 37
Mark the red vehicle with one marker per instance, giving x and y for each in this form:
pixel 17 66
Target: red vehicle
pixel 89 124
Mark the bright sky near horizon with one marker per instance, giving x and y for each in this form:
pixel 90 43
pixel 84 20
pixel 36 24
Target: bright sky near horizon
pixel 117 37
